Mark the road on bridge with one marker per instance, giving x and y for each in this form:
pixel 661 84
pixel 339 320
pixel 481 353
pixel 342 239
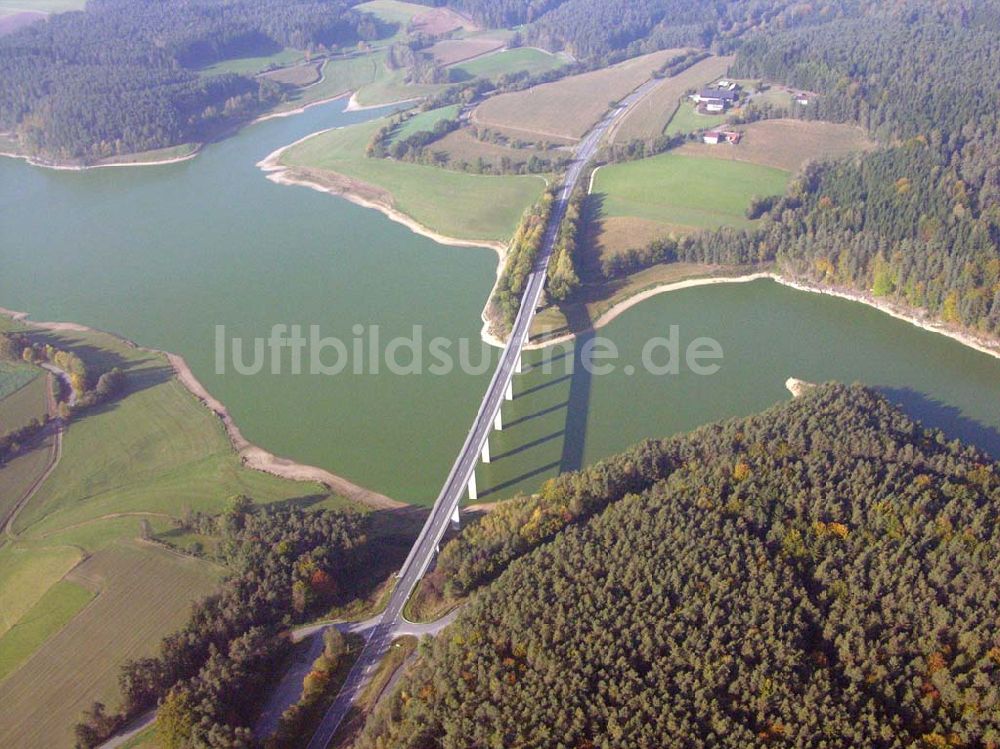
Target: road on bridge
pixel 437 523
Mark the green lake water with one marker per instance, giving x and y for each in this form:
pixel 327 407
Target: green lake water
pixel 163 254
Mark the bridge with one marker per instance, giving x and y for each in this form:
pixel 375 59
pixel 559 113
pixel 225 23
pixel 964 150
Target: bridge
pixel 462 476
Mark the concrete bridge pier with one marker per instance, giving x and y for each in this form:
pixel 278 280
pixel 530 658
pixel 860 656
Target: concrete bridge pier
pixel 498 421
pixel 486 451
pixel 454 516
pixel 517 365
pixel 509 392
pixel 473 494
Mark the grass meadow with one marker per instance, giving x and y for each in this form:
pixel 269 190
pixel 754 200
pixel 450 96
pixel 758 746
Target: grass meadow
pixel 521 59
pixel 80 592
pixel 456 204
pixel 686 192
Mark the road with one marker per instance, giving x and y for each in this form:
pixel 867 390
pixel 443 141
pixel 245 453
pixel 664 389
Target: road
pixel 425 547
pixel 57 427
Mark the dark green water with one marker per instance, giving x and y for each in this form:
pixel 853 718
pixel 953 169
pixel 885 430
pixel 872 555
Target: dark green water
pixel 163 254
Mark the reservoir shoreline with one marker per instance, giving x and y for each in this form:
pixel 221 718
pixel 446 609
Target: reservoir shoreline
pixel 285 175
pixel 252 456
pixel 980 344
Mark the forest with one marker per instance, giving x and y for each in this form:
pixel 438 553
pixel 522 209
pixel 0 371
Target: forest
pixel 208 680
pixel 120 77
pixel 610 30
pixel 917 222
pixel 822 574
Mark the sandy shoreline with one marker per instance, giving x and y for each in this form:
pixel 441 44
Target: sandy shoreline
pixel 85 167
pixel 288 176
pixel 299 110
pixel 979 344
pixel 252 456
pixel 284 175
pixel 354 106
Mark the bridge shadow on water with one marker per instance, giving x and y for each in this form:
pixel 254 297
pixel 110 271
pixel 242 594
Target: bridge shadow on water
pixel 553 370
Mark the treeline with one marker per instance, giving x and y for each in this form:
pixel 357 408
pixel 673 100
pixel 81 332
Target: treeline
pixel 821 575
pixel 918 222
pixel 115 78
pixel 209 677
pixel 563 278
pixel 521 254
pixel 611 30
pixel 90 390
pixel 295 724
pixel 12 442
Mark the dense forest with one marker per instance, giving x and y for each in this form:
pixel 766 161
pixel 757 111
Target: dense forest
pixel 614 29
pixel 916 223
pixel 822 574
pixel 209 678
pixel 120 77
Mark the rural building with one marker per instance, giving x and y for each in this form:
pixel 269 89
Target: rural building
pixel 802 100
pixel 715 137
pixel 716 99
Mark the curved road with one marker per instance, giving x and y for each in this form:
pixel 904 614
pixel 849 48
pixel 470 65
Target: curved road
pixel 424 548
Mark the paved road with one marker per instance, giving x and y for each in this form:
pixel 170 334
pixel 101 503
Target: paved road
pixel 424 548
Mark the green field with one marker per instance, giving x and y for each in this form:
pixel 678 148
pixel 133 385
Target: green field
pixel 425 121
pixel 25 575
pixel 366 74
pixel 393 11
pixel 255 64
pixel 390 87
pixel 687 120
pixel 464 206
pixel 14 376
pixel 522 59
pixel 156 450
pixel 143 593
pixel 686 191
pixel 153 454
pixel 52 612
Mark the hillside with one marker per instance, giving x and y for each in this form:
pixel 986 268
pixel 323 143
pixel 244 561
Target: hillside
pixel 819 575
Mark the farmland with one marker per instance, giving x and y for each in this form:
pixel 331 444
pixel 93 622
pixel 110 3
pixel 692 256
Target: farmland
pixel 687 119
pixel 521 59
pixel 566 109
pixel 649 117
pixel 253 65
pixel 339 76
pixel 463 206
pixel 40 701
pixel 686 192
pixel 787 144
pixel 451 51
pixel 152 454
pixel 51 612
pixel 304 74
pixel 13 376
pixel 462 146
pixel 425 121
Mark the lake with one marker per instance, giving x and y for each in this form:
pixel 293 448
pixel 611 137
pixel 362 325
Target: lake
pixel 162 255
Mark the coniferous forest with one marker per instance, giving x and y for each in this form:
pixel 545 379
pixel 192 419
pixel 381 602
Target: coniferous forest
pixel 120 77
pixel 821 575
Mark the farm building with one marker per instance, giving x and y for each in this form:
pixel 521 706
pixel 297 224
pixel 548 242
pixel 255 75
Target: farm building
pixel 716 99
pixel 715 137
